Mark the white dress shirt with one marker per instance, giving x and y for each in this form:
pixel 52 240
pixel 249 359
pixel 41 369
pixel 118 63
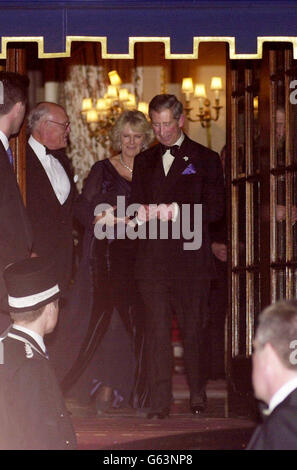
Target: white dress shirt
pixel 4 140
pixel 54 170
pixel 168 158
pixel 167 162
pixel 281 395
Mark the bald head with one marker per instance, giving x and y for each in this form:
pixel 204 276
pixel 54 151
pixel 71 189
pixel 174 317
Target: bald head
pixel 49 125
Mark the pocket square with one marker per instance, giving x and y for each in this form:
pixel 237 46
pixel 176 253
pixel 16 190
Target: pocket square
pixel 189 170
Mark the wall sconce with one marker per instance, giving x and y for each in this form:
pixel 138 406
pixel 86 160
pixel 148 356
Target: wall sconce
pixel 204 115
pixel 100 114
pixel 256 106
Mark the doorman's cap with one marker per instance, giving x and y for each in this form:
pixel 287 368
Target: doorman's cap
pixel 31 284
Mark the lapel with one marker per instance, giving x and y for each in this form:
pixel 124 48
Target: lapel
pixel 178 166
pixel 28 340
pixel 154 175
pixel 39 176
pixel 20 214
pixel 5 164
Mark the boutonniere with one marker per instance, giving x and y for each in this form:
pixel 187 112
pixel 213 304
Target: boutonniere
pixel 189 170
pixel 186 159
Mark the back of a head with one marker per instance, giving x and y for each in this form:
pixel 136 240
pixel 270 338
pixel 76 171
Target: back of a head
pixel 165 101
pixel 278 326
pixel 31 283
pixel 40 110
pixel 13 89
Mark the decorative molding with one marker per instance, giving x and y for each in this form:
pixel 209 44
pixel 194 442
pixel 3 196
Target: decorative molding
pixel 5 40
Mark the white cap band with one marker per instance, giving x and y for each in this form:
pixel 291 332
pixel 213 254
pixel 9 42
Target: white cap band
pixel 31 300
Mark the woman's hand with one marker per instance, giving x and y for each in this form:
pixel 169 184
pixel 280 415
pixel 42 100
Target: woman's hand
pixel 107 218
pixel 147 212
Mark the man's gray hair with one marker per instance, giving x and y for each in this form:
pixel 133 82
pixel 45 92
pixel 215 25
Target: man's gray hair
pixel 40 110
pixel 161 102
pixel 278 326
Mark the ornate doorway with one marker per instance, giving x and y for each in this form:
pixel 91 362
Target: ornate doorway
pixel 261 203
pixel 261 183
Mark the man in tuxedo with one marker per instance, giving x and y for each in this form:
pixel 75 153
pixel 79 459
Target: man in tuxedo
pixel 15 229
pixel 50 187
pixel 275 377
pixel 170 185
pixel 32 409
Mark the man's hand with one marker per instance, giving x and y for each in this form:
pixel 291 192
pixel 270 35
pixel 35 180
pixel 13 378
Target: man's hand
pixel 219 250
pixel 165 212
pixel 107 218
pixel 147 212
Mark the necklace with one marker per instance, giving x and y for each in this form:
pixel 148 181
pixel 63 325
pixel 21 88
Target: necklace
pixel 125 164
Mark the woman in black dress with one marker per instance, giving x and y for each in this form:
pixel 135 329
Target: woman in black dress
pixel 111 357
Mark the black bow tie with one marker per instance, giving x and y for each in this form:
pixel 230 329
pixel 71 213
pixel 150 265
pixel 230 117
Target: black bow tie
pixel 173 149
pixel 54 153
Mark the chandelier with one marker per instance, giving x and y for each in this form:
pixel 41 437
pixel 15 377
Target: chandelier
pixel 100 114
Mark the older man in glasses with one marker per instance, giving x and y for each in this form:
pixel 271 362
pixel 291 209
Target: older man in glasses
pixel 50 187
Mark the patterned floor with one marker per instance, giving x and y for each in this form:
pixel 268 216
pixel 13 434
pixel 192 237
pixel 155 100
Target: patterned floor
pixel 126 429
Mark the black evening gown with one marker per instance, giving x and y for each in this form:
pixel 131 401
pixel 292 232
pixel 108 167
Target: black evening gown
pixel 105 294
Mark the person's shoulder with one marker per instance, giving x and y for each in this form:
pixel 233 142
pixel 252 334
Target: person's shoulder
pixel 146 155
pixel 290 402
pixel 98 167
pixel 200 149
pixel 4 162
pixel 2 149
pixel 14 352
pixel 99 164
pixel 279 429
pixel 31 160
pixel 284 412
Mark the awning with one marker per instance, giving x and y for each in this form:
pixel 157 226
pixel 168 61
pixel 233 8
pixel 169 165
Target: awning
pixel 119 24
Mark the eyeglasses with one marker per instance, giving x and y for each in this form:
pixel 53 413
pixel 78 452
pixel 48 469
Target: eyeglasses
pixel 65 125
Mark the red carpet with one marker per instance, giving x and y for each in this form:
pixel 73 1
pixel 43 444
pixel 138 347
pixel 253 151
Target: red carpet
pixel 126 430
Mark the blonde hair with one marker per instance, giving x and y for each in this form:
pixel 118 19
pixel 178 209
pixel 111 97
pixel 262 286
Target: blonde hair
pixel 138 122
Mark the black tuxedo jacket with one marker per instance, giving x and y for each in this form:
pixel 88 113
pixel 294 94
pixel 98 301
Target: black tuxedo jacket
pixel 32 409
pixel 279 430
pixel 195 177
pixel 52 222
pixel 15 228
